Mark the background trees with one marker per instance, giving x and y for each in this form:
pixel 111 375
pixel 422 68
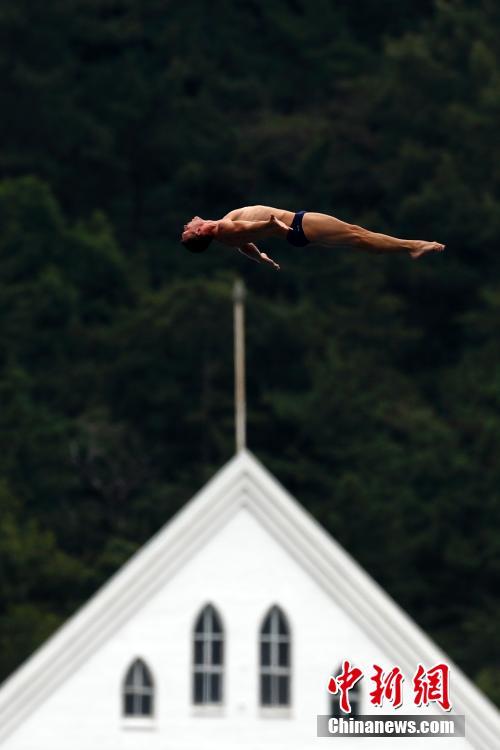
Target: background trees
pixel 374 384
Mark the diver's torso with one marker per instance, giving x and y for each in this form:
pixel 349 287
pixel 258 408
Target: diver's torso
pixel 260 213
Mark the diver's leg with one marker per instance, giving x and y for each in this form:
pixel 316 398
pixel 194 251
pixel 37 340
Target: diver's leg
pixel 327 230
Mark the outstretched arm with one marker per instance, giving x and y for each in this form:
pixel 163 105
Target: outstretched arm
pixel 253 252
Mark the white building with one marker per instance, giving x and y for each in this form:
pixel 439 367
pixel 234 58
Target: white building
pixel 222 632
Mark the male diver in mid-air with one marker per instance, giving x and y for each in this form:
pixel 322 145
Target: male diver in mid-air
pixel 243 227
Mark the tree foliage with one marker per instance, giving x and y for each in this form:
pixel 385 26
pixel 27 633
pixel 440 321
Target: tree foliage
pixel 373 383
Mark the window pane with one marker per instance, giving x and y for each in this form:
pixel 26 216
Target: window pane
pixel 266 628
pixel 355 704
pixel 215 688
pixel 198 688
pixel 133 674
pixel 217 652
pixel 198 652
pixel 199 624
pixel 283 683
pixel 282 628
pixel 129 704
pixel 137 673
pixel 265 689
pixel 335 707
pixel 146 677
pixel 215 623
pixel 283 655
pixel 265 654
pixel 146 705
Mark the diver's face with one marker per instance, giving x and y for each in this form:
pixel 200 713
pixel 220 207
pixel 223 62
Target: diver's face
pixel 192 228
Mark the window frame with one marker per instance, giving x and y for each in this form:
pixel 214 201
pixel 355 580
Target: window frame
pixel 274 669
pixel 138 690
pixel 207 635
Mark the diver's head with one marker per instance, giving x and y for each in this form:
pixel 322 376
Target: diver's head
pixel 197 234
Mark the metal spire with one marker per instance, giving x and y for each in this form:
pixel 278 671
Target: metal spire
pixel 239 294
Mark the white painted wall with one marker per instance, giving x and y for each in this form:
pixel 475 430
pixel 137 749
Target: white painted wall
pixel 243 571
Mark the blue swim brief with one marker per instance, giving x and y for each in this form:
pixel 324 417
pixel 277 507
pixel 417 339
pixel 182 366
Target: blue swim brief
pixel 296 234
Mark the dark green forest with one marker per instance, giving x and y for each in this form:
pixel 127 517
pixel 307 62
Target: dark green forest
pixel 373 382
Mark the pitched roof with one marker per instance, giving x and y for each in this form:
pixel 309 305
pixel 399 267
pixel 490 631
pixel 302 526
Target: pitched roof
pixel 242 482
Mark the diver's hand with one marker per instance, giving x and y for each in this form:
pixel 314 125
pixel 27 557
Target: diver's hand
pixel 266 259
pixel 279 224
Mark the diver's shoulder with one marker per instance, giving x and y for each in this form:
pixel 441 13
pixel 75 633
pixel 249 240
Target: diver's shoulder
pixel 234 214
pixel 242 212
pixel 257 212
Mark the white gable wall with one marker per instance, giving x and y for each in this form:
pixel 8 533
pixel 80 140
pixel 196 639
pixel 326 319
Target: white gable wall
pixel 242 570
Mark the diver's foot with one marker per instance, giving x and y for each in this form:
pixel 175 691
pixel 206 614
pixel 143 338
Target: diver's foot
pixel 422 248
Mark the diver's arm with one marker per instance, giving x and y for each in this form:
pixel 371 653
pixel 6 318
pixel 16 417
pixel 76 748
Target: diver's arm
pixel 253 252
pixel 238 232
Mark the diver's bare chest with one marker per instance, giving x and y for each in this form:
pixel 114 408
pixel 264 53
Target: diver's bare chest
pixel 260 213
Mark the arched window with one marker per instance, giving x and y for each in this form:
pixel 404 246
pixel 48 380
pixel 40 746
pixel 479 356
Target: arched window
pixel 208 657
pixel 354 699
pixel 275 659
pixel 138 690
